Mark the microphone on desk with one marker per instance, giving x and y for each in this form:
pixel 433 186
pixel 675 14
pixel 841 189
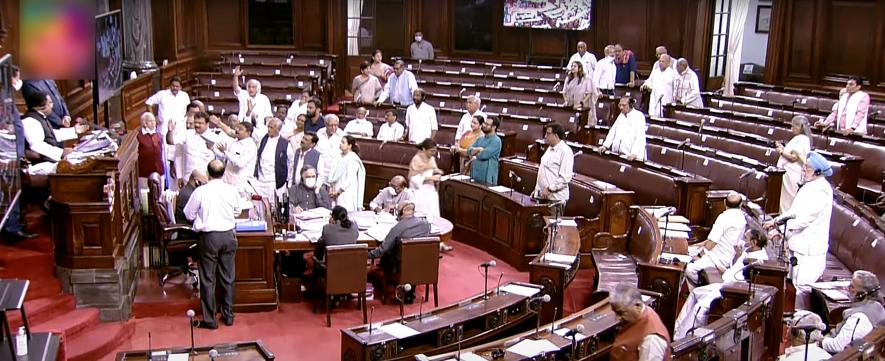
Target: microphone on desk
pixel 150 353
pixel 420 310
pixel 747 173
pixel 577 153
pixel 514 176
pixel 685 142
pixel 491 263
pixel 556 86
pixel 701 127
pixel 493 69
pixel 401 297
pixel 190 315
pixel 859 342
pixel 749 266
pixel 213 353
pixel 371 314
pixel 498 289
pixel 249 182
pixel 669 212
pixel 694 322
pixel 540 298
pixel 573 332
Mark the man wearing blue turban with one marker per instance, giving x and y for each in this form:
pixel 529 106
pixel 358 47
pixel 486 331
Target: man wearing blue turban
pixel 808 226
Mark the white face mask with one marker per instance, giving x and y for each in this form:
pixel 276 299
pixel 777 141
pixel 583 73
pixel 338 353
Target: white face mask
pixel 310 182
pixel 17 85
pixel 418 38
pixel 392 191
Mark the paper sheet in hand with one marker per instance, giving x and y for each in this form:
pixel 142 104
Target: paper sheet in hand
pixel 834 295
pixel 673 226
pixel 398 330
pixel 520 290
pixel 532 348
pixel 563 331
pixel 500 189
pixel 559 258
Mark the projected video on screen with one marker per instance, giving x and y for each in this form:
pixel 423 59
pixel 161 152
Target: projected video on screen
pixel 548 14
pixel 108 54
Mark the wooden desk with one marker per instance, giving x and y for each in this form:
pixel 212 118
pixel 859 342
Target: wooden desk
pixel 564 240
pixel 474 319
pixel 872 348
pixel 240 351
pixel 254 289
pixel 507 225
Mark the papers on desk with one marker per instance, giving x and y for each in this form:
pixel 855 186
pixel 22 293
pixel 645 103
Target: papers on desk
pixel 520 290
pixel 831 285
pixel 379 231
pixel 251 226
pixel 398 330
pixel 468 356
pixel 674 234
pixel 461 177
pixel 835 295
pixel 684 258
pixel 315 213
pixel 434 229
pixel 568 223
pixel 532 348
pixel 313 226
pixel 500 189
pixel 559 258
pixel 178 357
pixel 673 226
pixel 563 331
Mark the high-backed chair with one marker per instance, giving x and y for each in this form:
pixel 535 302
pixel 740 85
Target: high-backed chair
pixel 342 273
pixel 419 265
pixel 178 241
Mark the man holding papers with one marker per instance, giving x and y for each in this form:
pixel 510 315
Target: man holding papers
pixel 722 240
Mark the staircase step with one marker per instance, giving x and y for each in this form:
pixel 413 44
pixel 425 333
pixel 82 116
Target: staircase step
pixel 43 287
pixel 22 262
pixel 98 341
pixel 43 309
pixel 70 324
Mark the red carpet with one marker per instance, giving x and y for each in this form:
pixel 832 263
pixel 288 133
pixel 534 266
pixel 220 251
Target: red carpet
pixel 292 332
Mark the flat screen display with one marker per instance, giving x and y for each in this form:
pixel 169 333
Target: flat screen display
pixel 108 54
pixel 548 14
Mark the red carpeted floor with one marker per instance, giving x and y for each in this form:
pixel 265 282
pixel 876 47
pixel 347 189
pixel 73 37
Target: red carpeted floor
pixel 292 332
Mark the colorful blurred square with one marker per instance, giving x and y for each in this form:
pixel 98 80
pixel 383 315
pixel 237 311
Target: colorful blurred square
pixel 58 39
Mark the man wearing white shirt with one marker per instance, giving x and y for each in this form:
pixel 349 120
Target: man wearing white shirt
pixel 391 130
pixel 40 136
pixel 605 72
pixel 396 193
pixel 865 313
pixel 420 119
pixel 272 166
pixel 808 226
pixel 172 104
pixel 725 234
pixel 241 156
pixel 360 126
pixel 587 59
pixel 686 87
pixel 850 112
pixel 307 155
pixel 400 86
pixel 329 143
pixel 198 142
pixel 299 106
pixel 660 82
pixel 627 135
pixel 213 209
pixel 473 104
pixel 557 166
pixel 254 106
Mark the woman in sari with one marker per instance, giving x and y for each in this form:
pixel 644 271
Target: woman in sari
pixel 365 87
pixel 468 138
pixel 378 68
pixel 348 179
pixel 578 87
pixel 423 177
pixel 792 160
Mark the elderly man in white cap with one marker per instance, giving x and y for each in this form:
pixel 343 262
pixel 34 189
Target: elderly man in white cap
pixel 808 226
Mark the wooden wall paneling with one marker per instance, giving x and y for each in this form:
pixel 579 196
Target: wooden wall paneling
pixel 313 21
pixel 800 43
pixel 163 30
pixel 187 26
pixel 436 23
pixel 666 22
pixel 844 52
pixel 9 29
pixel 774 55
pixel 221 19
pixel 879 75
pixel 133 96
pixel 628 25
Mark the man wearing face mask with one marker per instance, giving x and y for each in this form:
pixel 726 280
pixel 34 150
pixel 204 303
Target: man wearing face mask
pixel 421 49
pixel 391 196
pixel 808 226
pixel 309 194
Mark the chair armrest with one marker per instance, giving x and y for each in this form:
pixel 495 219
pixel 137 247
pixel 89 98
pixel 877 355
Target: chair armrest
pixel 173 229
pixel 602 241
pixel 712 275
pixel 318 263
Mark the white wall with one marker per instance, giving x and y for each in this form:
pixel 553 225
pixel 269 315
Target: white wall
pixel 755 45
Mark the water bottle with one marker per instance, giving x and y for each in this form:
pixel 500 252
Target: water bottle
pixel 21 342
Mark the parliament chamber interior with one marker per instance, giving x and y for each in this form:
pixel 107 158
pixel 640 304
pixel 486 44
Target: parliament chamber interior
pixel 371 180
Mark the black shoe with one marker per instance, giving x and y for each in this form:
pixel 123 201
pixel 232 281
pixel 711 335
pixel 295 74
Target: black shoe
pixel 227 321
pixel 203 324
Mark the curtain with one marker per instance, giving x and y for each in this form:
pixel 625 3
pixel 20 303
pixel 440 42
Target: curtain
pixel 354 11
pixel 739 10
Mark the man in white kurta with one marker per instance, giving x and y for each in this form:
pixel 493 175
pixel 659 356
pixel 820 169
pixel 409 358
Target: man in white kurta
pixel 850 113
pixel 360 126
pixel 660 82
pixel 266 167
pixel 298 107
pixel 420 119
pixel 473 103
pixel 697 306
pixel 627 135
pixel 172 104
pixel 39 135
pixel 605 72
pixel 725 234
pixel 328 144
pixel 254 106
pixel 686 87
pixel 557 166
pixel 198 142
pixel 241 155
pixel 391 130
pixel 586 58
pixel 808 227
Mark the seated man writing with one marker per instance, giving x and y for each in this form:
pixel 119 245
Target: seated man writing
pixel 724 236
pixel 407 227
pixel 395 193
pixel 694 311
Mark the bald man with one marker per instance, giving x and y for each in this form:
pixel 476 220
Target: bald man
pixel 394 194
pixel 660 82
pixel 724 236
pixel 150 147
pixel 196 179
pixel 686 87
pixel 586 58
